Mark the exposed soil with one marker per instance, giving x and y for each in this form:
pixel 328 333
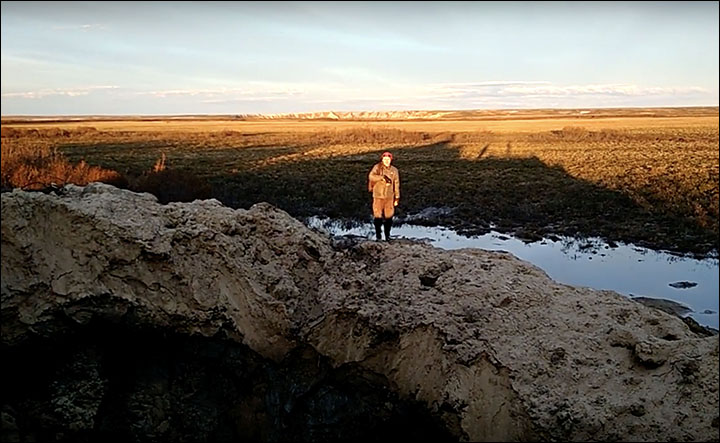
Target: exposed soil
pixel 129 320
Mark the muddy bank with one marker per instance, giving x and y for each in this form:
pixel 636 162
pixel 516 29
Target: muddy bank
pixel 477 345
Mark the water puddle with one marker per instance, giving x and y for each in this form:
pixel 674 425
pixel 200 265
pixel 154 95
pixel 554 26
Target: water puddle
pixel 626 269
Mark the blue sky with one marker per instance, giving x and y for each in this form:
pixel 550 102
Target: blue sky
pixel 81 58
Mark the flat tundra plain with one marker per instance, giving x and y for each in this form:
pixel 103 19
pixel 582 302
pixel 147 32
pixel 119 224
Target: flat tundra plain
pixel 644 176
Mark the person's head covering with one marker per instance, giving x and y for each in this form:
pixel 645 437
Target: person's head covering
pixel 386 154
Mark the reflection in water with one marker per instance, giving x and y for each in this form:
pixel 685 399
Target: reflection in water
pixel 628 270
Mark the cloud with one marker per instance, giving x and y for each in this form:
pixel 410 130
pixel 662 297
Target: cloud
pixel 279 97
pixel 601 90
pixel 249 98
pixel 488 84
pixel 441 92
pixel 251 92
pixel 69 92
pixel 518 94
pixel 519 89
pixel 83 27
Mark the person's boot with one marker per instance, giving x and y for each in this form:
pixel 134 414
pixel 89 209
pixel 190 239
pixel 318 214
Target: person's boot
pixel 378 228
pixel 388 226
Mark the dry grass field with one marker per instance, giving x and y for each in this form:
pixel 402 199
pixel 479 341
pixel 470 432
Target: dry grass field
pixel 643 176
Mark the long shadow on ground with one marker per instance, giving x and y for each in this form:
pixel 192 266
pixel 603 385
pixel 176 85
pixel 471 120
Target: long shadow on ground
pixel 522 196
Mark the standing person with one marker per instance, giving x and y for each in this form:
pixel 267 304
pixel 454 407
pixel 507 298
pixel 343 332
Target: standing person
pixel 384 183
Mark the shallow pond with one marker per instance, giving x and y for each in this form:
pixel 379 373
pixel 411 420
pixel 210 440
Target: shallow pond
pixel 626 269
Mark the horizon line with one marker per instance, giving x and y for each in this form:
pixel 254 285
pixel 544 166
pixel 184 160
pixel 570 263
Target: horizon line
pixel 356 111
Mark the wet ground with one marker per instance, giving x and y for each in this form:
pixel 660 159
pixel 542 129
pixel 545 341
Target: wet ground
pixel 626 269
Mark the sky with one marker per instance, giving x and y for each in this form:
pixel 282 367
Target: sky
pixel 176 58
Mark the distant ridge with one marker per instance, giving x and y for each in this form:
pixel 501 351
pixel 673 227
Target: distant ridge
pixel 416 115
pixel 359 115
pixel 494 114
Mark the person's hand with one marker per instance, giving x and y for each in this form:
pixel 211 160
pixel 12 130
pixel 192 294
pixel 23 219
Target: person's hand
pixel 397 201
pixel 387 179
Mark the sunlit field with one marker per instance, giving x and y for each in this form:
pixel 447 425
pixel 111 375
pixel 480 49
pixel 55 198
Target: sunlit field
pixel 646 178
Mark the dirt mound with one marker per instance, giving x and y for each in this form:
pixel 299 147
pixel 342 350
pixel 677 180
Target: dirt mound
pixel 480 343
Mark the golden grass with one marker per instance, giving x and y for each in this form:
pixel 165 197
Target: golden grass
pixel 633 178
pixel 498 126
pixel 38 165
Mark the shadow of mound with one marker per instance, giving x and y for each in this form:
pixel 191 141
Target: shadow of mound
pixel 522 196
pixel 111 381
pixel 519 195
